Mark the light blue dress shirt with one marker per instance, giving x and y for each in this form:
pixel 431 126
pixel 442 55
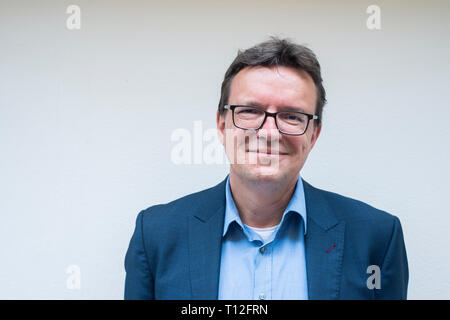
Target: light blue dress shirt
pixel 275 269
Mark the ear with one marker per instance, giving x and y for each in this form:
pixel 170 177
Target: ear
pixel 315 135
pixel 220 120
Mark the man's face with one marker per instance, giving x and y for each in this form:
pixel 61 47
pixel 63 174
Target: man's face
pixel 272 89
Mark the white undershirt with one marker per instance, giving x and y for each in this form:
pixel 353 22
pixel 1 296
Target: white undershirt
pixel 265 233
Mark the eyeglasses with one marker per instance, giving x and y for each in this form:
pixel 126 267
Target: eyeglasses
pixel 292 123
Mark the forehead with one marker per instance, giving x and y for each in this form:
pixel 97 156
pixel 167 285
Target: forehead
pixel 276 87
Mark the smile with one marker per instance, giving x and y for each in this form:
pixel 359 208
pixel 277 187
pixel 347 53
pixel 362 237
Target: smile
pixel 268 154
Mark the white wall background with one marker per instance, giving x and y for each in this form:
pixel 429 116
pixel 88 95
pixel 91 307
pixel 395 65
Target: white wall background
pixel 86 118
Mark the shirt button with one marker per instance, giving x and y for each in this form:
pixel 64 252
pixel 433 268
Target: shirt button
pixel 262 296
pixel 262 249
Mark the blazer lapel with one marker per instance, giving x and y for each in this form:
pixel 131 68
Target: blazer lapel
pixel 205 242
pixel 324 246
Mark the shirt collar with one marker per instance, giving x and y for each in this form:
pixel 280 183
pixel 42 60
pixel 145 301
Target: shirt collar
pixel 296 205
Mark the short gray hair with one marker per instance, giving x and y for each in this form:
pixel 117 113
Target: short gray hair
pixel 276 52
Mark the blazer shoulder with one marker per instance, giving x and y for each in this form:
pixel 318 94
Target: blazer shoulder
pixel 367 226
pixel 352 210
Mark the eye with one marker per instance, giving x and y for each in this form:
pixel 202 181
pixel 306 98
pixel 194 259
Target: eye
pixel 292 117
pixel 248 111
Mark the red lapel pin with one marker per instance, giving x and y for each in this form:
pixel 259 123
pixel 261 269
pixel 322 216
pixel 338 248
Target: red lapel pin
pixel 334 246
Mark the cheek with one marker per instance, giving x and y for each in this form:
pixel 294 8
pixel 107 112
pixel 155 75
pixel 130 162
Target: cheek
pixel 300 145
pixel 230 126
pixel 228 129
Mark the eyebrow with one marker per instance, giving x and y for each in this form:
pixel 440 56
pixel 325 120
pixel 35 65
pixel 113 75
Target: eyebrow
pixel 283 108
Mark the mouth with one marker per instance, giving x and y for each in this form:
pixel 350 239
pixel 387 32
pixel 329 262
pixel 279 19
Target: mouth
pixel 268 153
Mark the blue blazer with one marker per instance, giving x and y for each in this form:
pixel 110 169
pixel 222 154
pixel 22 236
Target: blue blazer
pixel 175 250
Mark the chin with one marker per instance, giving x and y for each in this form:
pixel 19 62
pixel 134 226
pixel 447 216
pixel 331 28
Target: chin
pixel 263 173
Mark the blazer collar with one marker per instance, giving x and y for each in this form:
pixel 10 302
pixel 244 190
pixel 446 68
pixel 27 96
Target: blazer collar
pixel 211 202
pixel 317 208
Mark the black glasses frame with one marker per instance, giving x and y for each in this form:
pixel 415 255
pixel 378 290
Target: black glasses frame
pixel 270 114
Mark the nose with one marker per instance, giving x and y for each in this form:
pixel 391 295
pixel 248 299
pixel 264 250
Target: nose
pixel 269 125
pixel 269 130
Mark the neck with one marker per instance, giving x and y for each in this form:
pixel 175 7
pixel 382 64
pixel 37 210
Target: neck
pixel 261 203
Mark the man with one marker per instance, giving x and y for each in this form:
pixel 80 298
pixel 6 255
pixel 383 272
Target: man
pixel 264 232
